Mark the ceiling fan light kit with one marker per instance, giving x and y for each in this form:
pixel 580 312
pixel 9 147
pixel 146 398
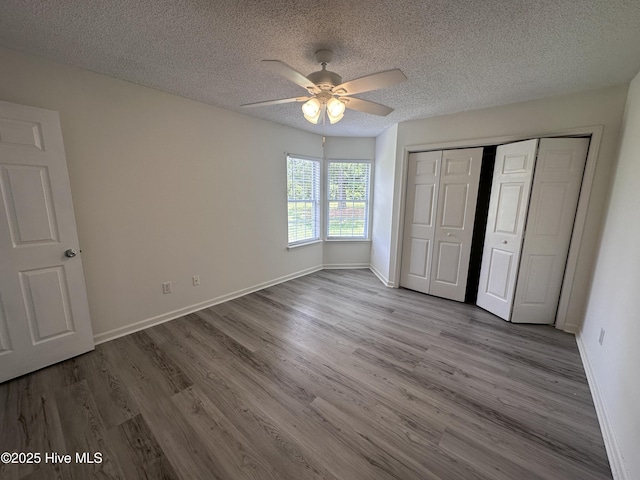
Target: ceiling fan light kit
pixel 312 110
pixel 329 94
pixel 335 110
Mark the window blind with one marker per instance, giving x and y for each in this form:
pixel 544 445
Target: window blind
pixel 348 199
pixel 303 199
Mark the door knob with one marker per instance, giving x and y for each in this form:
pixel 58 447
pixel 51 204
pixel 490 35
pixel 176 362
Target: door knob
pixel 504 241
pixel 70 253
pixel 449 234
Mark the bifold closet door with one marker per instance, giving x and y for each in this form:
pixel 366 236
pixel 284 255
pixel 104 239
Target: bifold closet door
pixel 455 217
pixel 512 177
pixel 442 191
pixel 552 209
pixel 419 220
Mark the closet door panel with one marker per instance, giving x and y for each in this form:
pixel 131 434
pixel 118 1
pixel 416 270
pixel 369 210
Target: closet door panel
pixel 455 216
pixel 554 199
pixel 512 177
pixel 419 223
pixel 448 267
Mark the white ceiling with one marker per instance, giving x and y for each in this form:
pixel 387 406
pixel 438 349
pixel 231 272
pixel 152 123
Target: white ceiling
pixel 457 54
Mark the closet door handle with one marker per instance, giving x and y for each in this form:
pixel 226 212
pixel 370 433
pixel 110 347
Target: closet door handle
pixel 449 234
pixel 504 241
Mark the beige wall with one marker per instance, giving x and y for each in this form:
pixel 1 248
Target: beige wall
pixel 165 188
pixel 613 306
pixel 386 144
pixel 601 107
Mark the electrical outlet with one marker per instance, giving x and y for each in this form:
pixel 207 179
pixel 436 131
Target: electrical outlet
pixel 196 280
pixel 601 339
pixel 167 287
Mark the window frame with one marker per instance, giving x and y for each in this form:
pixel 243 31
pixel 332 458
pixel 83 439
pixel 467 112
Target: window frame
pixel 327 200
pixel 318 200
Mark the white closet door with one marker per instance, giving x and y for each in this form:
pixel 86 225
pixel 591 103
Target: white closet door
pixel 554 199
pixel 44 313
pixel 512 176
pixel 419 223
pixel 456 208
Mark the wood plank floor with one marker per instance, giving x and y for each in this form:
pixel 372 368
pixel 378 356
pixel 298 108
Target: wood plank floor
pixel 329 376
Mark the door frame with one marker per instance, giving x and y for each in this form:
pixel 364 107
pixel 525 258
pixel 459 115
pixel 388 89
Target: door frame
pixel 594 131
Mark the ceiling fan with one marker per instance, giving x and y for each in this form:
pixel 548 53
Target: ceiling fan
pixel 328 93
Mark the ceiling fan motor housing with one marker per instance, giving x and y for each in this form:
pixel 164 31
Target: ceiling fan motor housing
pixel 325 79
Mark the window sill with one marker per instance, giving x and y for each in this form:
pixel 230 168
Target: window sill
pixel 298 245
pixel 368 240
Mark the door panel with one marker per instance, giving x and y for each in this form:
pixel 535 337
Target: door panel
pixel 554 199
pixel 534 288
pixel 44 313
pixel 547 209
pixel 455 202
pixel 20 133
pixel 46 297
pixel 500 267
pixel 510 208
pixel 455 217
pixel 422 191
pixel 423 205
pixel 448 267
pixel 5 341
pixel 27 195
pixel 418 259
pixel 508 205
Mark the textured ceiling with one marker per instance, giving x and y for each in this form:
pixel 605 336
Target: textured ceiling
pixel 457 54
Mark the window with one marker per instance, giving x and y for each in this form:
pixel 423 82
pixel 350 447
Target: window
pixel 348 199
pixel 303 199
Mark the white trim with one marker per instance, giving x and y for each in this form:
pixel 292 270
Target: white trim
pixel 595 131
pixel 488 141
pixel 165 317
pixel 616 460
pixel 570 328
pixel 303 244
pixel 344 266
pixel 381 277
pixel 303 157
pixel 347 239
pixel 350 160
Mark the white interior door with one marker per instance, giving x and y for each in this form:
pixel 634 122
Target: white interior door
pixel 44 314
pixel 419 220
pixel 512 176
pixel 456 208
pixel 552 209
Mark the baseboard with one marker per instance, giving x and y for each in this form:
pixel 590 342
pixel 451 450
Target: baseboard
pixel 616 461
pixel 344 266
pixel 381 277
pixel 570 328
pixel 165 317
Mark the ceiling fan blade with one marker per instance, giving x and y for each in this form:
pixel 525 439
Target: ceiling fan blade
pixel 289 73
pixel 370 82
pixel 276 102
pixel 366 106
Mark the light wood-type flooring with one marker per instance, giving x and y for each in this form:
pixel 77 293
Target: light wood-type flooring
pixel 329 376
